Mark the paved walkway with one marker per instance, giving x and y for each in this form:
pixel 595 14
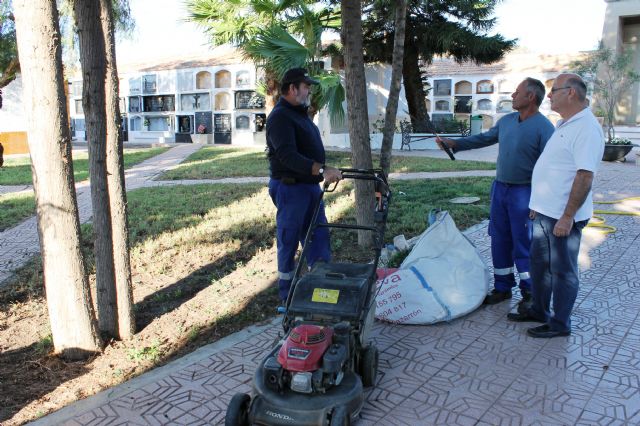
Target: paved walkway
pixel 475 370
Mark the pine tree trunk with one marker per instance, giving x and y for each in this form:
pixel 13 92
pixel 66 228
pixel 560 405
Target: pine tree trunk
pixel 69 303
pixel 92 58
pixel 394 91
pixel 358 116
pixel 116 183
pixel 414 89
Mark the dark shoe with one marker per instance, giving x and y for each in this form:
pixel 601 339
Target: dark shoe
pixel 545 332
pixel 496 297
pixel 523 317
pixel 526 303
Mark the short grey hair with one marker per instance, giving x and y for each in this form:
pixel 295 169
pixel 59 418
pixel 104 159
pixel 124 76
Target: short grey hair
pixel 579 86
pixel 537 88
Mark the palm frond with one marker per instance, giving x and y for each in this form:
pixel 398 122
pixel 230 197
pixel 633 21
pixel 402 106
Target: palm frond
pixel 276 48
pixel 330 93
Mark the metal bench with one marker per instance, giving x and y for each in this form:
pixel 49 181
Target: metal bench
pixel 408 137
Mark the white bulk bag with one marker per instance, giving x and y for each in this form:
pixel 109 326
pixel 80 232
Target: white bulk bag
pixel 442 278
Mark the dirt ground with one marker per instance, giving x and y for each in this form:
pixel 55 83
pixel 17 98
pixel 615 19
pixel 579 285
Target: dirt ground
pixel 176 314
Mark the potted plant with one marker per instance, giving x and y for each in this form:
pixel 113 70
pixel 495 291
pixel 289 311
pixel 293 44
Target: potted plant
pixel 612 75
pixel 617 149
pixel 145 124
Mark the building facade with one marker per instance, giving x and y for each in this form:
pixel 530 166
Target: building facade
pixel 458 91
pixel 207 100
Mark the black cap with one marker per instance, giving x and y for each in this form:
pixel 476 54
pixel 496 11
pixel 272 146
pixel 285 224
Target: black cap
pixel 297 75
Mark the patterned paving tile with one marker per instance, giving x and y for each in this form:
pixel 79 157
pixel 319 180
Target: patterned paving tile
pixel 544 413
pixel 616 401
pixel 477 370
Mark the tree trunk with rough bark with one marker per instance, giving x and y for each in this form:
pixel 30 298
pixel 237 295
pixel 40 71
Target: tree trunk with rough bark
pixel 92 59
pixel 69 304
pixel 414 89
pixel 116 182
pixel 273 92
pixel 394 91
pixel 358 116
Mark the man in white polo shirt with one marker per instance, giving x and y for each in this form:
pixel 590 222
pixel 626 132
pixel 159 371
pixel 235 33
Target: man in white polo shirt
pixel 561 205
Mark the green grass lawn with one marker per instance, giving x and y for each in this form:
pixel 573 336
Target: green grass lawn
pixel 17 171
pixel 168 223
pixel 413 199
pixel 14 208
pixel 218 162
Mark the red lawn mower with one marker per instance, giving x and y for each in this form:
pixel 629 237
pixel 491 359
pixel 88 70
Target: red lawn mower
pixel 315 375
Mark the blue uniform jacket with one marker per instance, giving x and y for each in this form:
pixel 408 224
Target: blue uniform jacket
pixel 293 143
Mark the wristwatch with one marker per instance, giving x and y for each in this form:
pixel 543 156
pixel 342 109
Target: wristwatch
pixel 321 170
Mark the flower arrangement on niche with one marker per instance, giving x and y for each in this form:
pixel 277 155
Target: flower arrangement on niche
pixel 202 129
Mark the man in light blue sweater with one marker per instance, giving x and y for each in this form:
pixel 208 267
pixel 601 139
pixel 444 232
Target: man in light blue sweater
pixel 522 136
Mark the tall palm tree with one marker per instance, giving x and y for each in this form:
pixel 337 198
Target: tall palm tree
pixel 276 35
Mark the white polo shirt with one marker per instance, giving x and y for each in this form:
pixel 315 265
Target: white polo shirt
pixel 576 144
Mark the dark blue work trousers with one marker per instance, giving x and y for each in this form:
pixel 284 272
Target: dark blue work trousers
pixel 295 204
pixel 554 270
pixel 510 231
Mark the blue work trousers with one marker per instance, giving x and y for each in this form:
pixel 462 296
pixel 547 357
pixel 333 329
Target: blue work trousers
pixel 554 270
pixel 295 204
pixel 510 231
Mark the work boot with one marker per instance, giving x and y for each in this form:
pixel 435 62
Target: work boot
pixel 496 297
pixel 526 303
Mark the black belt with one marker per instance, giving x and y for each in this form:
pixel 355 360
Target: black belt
pixel 288 180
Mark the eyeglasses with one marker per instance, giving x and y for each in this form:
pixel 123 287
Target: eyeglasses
pixel 555 89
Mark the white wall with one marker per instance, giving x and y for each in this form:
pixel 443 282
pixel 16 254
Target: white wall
pixel 12 118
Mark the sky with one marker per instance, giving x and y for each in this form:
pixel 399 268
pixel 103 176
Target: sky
pixel 542 26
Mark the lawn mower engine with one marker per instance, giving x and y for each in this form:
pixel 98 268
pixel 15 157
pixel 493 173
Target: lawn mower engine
pixel 312 359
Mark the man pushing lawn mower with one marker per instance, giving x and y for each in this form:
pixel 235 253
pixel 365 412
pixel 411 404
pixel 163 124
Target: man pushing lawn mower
pixel 316 373
pixel 297 164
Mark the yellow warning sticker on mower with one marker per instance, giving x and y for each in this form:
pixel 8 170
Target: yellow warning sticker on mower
pixel 324 295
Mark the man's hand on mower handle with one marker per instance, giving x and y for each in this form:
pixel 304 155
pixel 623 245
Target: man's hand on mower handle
pixel 451 144
pixel 331 174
